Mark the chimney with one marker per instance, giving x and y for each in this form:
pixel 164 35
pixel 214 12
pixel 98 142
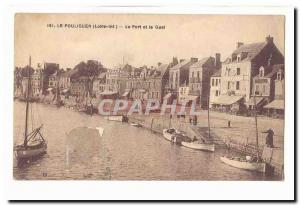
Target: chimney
pixel 175 61
pixel 181 60
pixel 193 59
pixel 218 61
pixel 159 63
pixel 239 44
pixel 269 39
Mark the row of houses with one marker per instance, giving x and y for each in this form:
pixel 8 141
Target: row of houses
pixel 252 75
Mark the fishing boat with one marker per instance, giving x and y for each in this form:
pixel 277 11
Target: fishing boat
pixel 247 163
pixel 34 143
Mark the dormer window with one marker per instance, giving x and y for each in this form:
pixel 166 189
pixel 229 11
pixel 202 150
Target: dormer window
pixel 279 76
pixel 261 72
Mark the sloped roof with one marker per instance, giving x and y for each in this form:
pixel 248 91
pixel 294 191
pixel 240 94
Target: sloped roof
pixel 185 62
pixel 163 68
pixel 70 73
pixel 251 49
pixel 201 62
pixel 102 75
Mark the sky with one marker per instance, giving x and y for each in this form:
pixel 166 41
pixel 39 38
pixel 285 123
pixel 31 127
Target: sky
pixel 183 36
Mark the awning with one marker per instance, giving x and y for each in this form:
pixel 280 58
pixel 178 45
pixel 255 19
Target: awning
pixel 49 89
pixel 259 100
pixel 226 100
pixel 167 96
pixel 125 94
pixel 108 93
pixel 276 104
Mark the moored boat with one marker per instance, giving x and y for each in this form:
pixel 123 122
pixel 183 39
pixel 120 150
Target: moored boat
pixel 34 144
pixel 135 124
pixel 245 164
pixel 175 136
pixel 117 118
pixel 200 146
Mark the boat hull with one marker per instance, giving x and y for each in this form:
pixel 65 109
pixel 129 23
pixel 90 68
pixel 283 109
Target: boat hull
pixel 117 118
pixel 27 153
pixel 199 146
pixel 252 166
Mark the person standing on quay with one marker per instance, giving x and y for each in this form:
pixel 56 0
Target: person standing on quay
pixel 269 138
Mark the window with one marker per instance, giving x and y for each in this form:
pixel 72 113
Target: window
pixel 264 89
pixel 237 85
pixel 192 74
pixel 217 93
pixel 257 88
pixel 228 85
pixel 238 71
pixel 213 82
pixel 261 72
pixel 198 74
pixel 279 76
pixel 216 82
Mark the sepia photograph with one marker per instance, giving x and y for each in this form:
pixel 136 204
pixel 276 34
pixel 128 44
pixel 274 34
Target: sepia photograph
pixel 149 97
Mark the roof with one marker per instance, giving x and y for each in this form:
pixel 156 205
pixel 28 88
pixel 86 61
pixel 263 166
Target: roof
pixel 185 62
pixel 226 100
pixel 162 69
pixel 217 74
pixel 252 50
pixel 70 73
pixel 276 104
pixel 201 62
pixel 102 75
pixel 273 71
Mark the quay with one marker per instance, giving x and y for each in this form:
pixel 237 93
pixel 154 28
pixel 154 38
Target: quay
pixel 235 139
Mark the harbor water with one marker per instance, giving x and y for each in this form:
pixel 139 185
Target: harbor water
pixel 123 152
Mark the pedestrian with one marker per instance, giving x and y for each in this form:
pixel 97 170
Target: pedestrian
pixel 190 120
pixel 269 138
pixel 228 123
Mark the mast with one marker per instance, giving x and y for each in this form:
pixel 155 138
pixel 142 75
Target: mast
pixel 256 130
pixel 208 122
pixel 27 102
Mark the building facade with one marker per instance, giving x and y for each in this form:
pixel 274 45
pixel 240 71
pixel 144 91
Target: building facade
pixel 240 67
pixel 179 74
pixel 199 78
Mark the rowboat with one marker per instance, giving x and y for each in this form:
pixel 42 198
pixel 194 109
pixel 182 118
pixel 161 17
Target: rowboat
pixel 118 118
pixel 135 124
pixel 244 164
pixel 199 146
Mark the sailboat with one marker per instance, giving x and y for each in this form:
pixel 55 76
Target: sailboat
pixel 204 145
pixel 248 163
pixel 34 143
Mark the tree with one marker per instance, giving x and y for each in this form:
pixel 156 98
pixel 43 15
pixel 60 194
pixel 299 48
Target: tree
pixel 90 69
